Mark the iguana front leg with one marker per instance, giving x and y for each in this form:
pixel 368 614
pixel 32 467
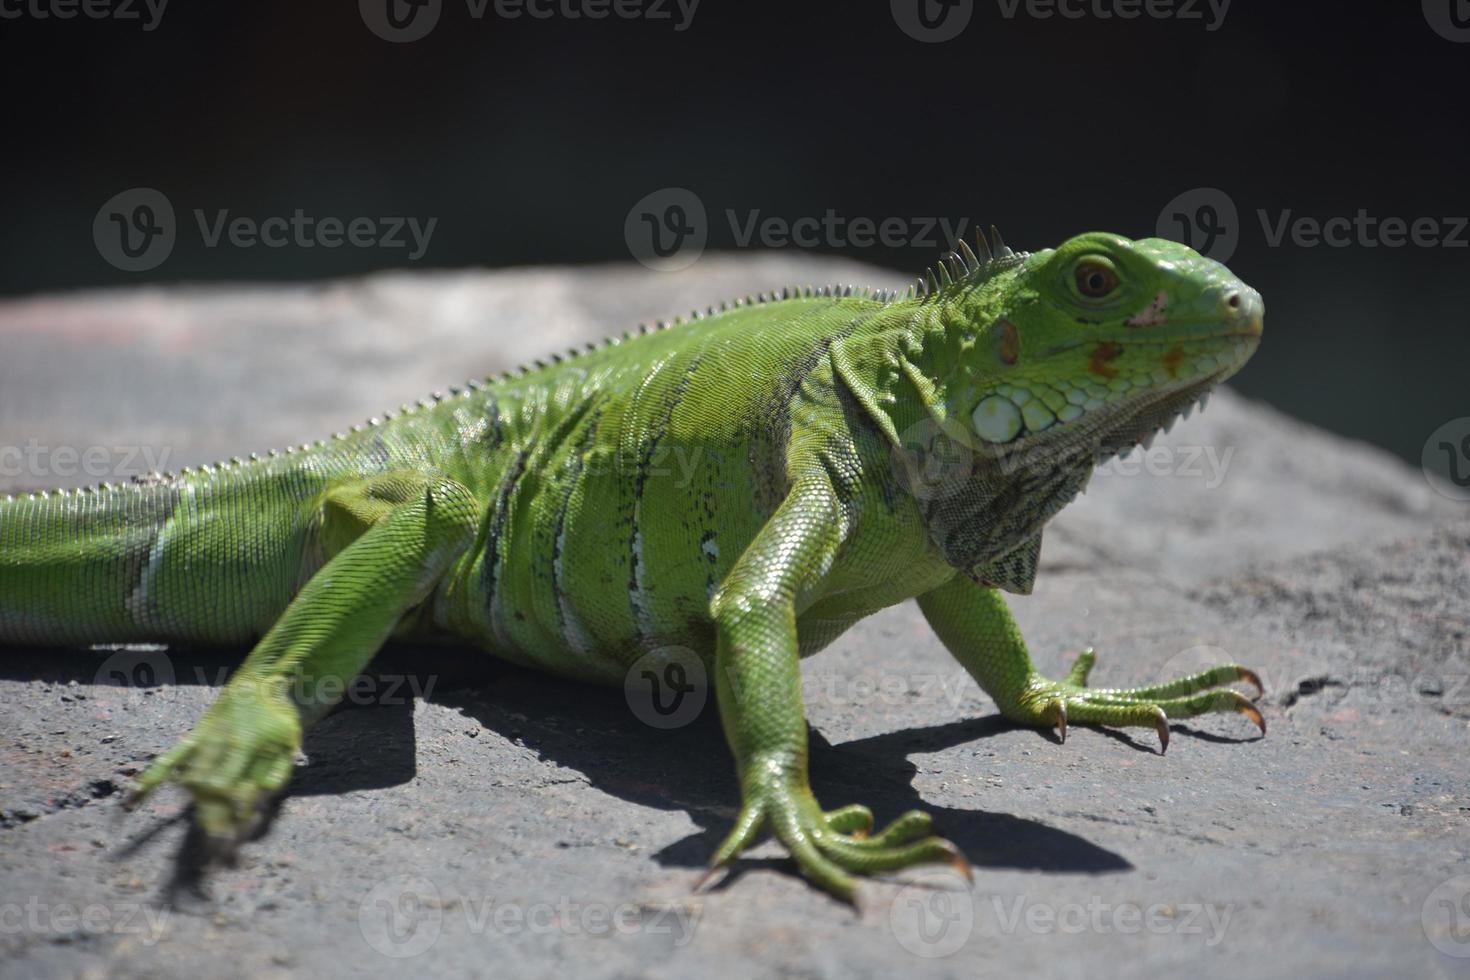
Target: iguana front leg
pixel 758 685
pixel 394 536
pixel 975 624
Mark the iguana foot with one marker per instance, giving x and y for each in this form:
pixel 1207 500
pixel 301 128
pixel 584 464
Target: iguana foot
pixel 1054 703
pixel 830 847
pixel 239 755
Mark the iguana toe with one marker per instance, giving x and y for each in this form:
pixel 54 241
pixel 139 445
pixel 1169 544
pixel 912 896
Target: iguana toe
pixel 1055 703
pixel 830 847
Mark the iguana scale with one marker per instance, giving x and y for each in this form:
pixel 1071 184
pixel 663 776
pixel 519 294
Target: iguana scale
pixel 854 449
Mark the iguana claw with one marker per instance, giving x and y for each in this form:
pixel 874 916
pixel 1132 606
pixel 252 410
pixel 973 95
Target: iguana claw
pixel 1161 725
pixel 1254 679
pixel 705 878
pixel 829 856
pixel 1059 708
pixel 1254 714
pixel 1054 703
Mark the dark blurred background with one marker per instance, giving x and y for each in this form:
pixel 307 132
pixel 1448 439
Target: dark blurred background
pixel 530 139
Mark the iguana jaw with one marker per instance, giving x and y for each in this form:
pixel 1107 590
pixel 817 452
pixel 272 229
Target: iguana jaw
pixel 1137 419
pixel 1109 414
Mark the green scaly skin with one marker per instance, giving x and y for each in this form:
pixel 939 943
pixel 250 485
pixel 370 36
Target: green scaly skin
pixel 836 453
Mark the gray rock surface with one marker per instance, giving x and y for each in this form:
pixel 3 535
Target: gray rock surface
pixel 471 819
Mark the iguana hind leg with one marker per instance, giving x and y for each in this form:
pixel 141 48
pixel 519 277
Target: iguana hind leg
pixel 393 537
pixel 976 626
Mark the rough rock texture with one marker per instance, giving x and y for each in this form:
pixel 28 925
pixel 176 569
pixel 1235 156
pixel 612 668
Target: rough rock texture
pixel 464 818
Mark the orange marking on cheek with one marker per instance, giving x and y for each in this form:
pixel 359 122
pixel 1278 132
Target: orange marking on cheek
pixel 1172 360
pixel 1008 343
pixel 1101 355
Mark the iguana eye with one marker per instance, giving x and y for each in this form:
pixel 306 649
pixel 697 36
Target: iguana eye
pixel 1095 279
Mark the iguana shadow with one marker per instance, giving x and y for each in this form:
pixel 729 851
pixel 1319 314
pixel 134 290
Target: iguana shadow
pixel 592 730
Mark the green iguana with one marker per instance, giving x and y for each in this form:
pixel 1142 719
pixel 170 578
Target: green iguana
pixel 854 448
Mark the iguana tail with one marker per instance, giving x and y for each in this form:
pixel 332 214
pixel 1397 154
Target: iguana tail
pixel 211 557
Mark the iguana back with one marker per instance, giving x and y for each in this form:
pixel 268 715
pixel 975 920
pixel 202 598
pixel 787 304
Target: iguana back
pixel 662 449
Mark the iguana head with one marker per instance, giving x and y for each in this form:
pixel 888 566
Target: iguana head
pixel 1042 365
pixel 1104 340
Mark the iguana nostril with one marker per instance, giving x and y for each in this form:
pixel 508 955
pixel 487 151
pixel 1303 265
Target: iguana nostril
pixel 1234 301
